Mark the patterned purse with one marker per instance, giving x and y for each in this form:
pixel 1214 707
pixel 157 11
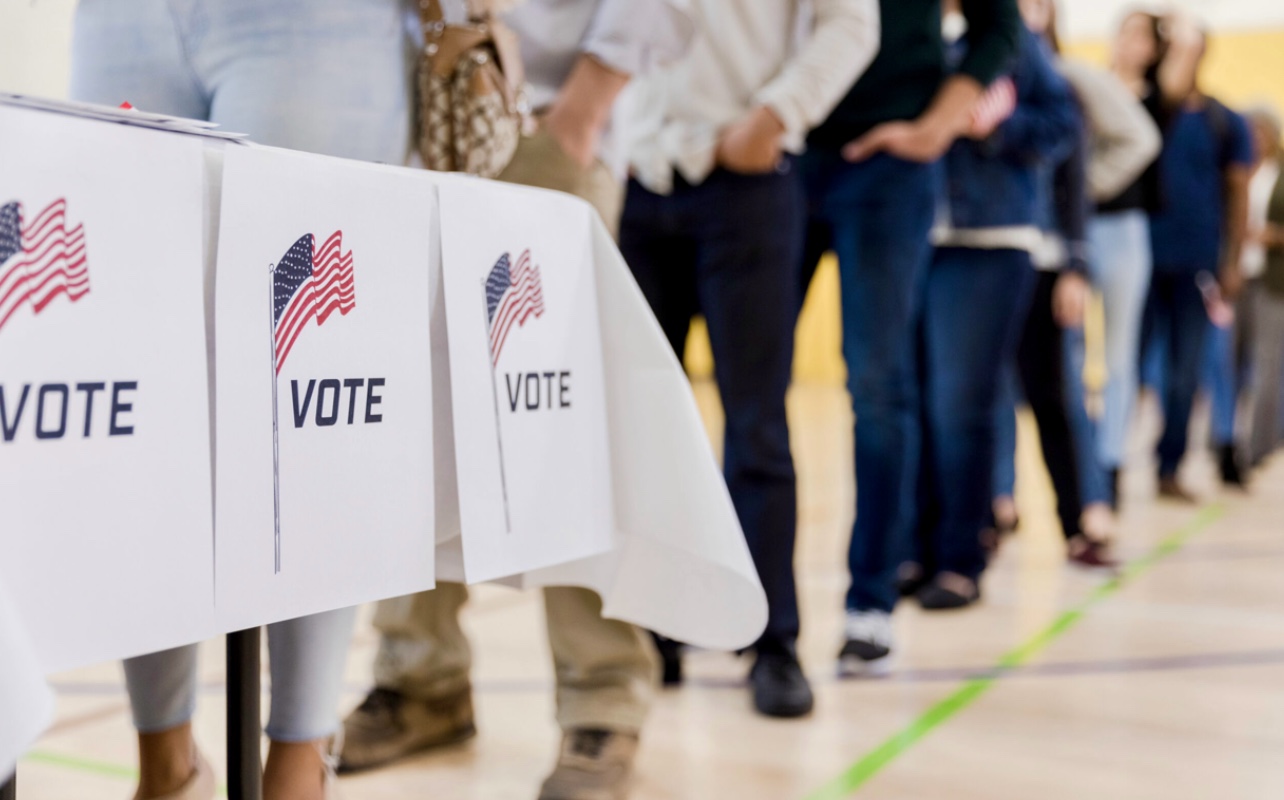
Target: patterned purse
pixel 472 107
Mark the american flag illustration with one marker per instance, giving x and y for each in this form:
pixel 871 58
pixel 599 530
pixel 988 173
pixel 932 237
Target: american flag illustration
pixel 310 283
pixel 513 295
pixel 40 260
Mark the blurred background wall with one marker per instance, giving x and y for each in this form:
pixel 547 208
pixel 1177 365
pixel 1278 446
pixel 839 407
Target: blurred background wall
pixel 1246 64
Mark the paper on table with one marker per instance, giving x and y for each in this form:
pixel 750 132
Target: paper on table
pixel 529 404
pixel 324 431
pixel 105 479
pixel 25 698
pixel 680 565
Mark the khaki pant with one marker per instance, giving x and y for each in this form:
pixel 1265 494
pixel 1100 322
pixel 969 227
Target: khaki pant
pixel 606 670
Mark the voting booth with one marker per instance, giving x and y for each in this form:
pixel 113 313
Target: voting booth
pixel 240 385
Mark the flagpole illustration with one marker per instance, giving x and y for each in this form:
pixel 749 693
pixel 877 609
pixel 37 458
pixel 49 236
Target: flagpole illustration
pixel 494 393
pixel 276 436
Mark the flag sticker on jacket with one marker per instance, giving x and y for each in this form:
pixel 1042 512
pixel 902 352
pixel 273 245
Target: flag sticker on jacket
pixel 513 296
pixel 40 260
pixel 309 283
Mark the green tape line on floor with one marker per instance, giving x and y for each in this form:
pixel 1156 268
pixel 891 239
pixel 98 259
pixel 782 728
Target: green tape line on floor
pixel 877 759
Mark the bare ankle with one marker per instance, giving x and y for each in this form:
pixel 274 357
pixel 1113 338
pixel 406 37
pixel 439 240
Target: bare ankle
pixel 295 771
pixel 166 761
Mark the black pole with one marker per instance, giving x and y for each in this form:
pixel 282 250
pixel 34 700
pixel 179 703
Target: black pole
pixel 9 789
pixel 244 766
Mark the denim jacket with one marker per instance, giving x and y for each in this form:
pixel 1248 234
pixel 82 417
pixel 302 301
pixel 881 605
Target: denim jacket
pixel 997 182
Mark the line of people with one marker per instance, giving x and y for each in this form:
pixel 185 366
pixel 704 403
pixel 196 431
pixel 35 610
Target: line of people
pixel 975 188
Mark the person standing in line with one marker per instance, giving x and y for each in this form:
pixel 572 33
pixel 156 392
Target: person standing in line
pixel 325 76
pixel 1230 379
pixel 978 289
pixel 1266 248
pixel 1197 239
pixel 578 56
pixel 1156 58
pixel 713 224
pixel 1119 142
pixel 872 182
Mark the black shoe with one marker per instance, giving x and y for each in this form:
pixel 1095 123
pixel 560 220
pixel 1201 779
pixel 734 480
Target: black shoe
pixel 909 578
pixel 780 688
pixel 1232 475
pixel 949 591
pixel 671 658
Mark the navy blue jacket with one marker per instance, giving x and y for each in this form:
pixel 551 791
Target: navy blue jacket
pixel 998 182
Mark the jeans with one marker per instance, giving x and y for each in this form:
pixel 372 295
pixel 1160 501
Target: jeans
pixel 327 76
pixel 972 311
pixel 1176 324
pixel 1049 362
pixel 730 249
pixel 1228 373
pixel 877 217
pixel 1121 269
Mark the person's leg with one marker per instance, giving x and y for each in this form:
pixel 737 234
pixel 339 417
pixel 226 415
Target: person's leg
pixel 1268 376
pixel 747 273
pixel 306 658
pixel 131 51
pixel 606 670
pixel 661 257
pixel 880 213
pixel 323 76
pixel 162 697
pixel 972 306
pixel 422 697
pixel 1121 266
pixel 1188 327
pixel 1042 368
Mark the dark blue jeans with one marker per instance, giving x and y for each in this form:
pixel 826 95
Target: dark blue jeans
pixel 1175 324
pixel 973 310
pixel 877 216
pixel 730 249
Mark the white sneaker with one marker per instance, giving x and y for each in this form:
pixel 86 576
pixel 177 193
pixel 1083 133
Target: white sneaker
pixel 867 651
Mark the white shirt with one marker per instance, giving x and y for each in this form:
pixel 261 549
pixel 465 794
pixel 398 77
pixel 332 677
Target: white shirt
pixel 1260 190
pixel 797 57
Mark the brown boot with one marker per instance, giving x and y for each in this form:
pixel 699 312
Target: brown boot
pixel 1171 489
pixel 594 765
pixel 390 725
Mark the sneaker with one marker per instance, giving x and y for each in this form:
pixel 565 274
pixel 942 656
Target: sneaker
pixel 780 689
pixel 1091 554
pixel 948 591
pixel 1170 489
pixel 867 650
pixel 390 725
pixel 594 764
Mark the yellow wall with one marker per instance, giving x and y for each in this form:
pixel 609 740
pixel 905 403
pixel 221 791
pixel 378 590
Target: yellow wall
pixel 1242 68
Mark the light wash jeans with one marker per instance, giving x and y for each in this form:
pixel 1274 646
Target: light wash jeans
pixel 1121 267
pixel 326 76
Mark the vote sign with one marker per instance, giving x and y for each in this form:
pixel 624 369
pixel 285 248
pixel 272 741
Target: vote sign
pixel 104 403
pixel 324 487
pixel 526 378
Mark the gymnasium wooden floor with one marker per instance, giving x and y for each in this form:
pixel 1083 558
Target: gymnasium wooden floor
pixel 1169 684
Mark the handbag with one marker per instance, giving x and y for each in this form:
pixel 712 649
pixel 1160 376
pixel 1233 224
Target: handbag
pixel 472 104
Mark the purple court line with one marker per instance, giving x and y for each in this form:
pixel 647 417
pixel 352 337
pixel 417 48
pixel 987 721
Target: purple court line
pixel 1062 669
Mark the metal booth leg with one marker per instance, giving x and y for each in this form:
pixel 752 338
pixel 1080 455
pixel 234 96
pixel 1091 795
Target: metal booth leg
pixel 244 725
